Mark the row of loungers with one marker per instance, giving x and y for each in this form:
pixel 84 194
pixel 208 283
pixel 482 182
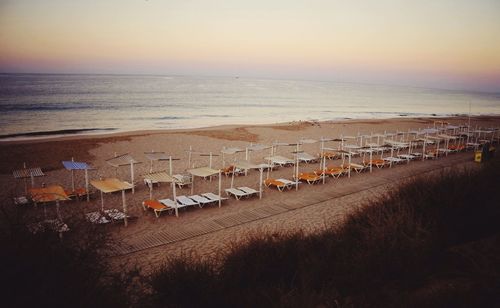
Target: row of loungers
pixel 169 206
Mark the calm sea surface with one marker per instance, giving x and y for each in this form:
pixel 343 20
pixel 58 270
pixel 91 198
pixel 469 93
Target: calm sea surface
pixel 99 103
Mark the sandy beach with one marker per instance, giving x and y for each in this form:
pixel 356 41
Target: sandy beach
pixel 48 154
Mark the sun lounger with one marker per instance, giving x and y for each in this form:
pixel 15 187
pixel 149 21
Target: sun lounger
pixel 393 160
pixel 172 204
pixel 105 217
pixel 185 201
pixel 306 157
pixel 356 167
pixel 280 160
pixel 232 169
pixel 213 197
pixel 275 183
pixel 201 200
pixel 97 218
pixel 54 225
pixel 310 178
pixel 332 171
pixel 379 163
pixel 115 214
pixel 248 190
pixel 289 184
pixel 329 155
pixel 238 194
pixel 182 180
pixel 21 200
pixel 156 206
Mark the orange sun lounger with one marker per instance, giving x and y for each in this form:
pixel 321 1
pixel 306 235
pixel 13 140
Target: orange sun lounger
pixel 310 178
pixel 331 171
pixel 379 163
pixel 156 206
pixel 278 184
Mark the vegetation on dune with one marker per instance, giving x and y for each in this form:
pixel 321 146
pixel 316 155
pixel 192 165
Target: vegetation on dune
pixel 434 241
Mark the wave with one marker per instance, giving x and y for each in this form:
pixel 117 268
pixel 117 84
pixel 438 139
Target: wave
pixel 50 107
pixel 56 132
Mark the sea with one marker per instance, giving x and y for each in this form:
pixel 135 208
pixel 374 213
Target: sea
pixel 39 105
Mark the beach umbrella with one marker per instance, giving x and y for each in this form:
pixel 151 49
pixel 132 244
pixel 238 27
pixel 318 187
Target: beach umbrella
pixel 72 166
pixel 124 160
pixel 111 185
pixel 28 173
pixel 206 172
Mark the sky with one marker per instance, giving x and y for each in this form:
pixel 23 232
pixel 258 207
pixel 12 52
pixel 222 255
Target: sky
pixel 452 44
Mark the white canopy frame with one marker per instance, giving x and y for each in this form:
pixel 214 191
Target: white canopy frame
pixel 247 166
pixel 204 172
pixel 159 156
pixel 124 160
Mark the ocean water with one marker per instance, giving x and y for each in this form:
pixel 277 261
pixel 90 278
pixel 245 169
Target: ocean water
pixel 63 104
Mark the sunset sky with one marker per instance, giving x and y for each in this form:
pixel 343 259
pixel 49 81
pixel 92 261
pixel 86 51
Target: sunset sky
pixel 451 44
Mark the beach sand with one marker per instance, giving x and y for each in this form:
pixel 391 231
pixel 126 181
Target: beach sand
pixel 48 154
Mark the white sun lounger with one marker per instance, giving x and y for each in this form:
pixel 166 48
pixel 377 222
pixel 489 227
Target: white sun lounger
pixel 201 200
pixel 306 158
pixel 182 180
pixel 289 184
pixel 248 190
pixel 213 197
pixel 237 193
pixel 393 160
pixel 280 160
pixel 185 201
pixel 172 204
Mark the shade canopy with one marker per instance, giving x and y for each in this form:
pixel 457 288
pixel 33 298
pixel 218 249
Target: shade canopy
pixel 110 185
pixel 246 165
pixel 28 173
pixel 122 160
pixel 232 150
pixel 258 147
pixel 74 165
pixel 48 194
pixel 203 172
pixel 159 177
pixel 157 156
pixel 308 141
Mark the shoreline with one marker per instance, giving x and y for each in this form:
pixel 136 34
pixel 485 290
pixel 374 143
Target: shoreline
pixel 103 133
